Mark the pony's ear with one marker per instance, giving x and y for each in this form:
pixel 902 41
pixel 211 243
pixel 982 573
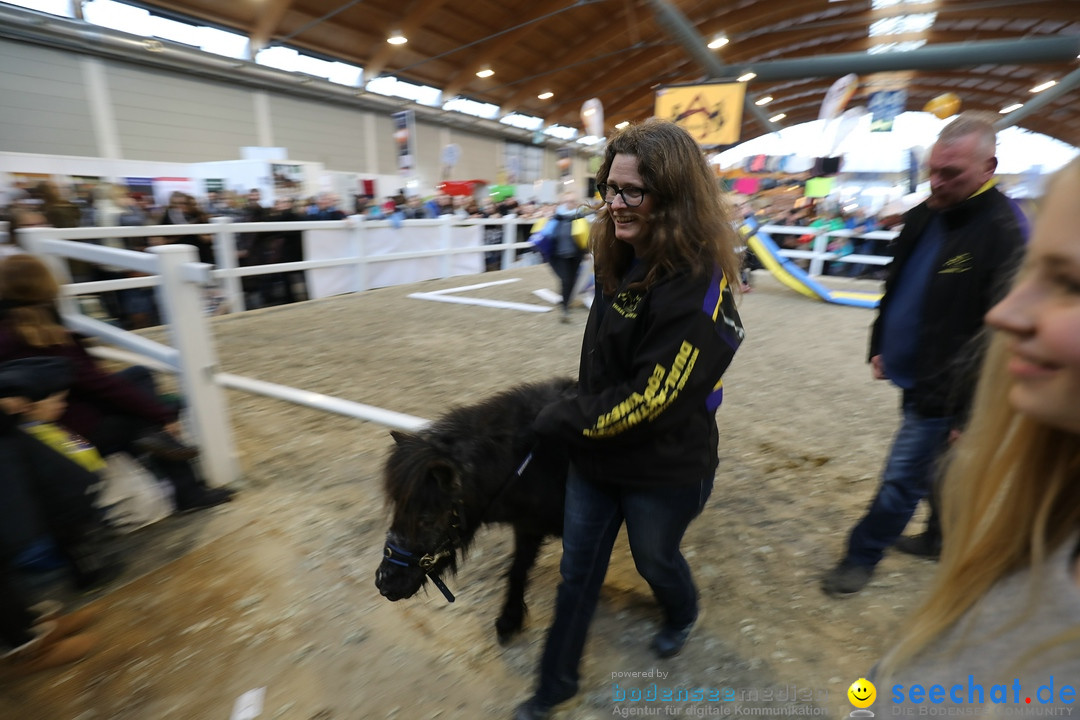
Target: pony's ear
pixel 446 476
pixel 401 437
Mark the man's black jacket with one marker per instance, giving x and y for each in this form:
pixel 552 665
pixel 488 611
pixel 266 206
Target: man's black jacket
pixel 982 245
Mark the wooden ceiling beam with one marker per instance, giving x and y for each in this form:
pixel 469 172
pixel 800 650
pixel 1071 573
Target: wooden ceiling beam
pixel 645 28
pixel 408 25
pixel 492 51
pixel 266 23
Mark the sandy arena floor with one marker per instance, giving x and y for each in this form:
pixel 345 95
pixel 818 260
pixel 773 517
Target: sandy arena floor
pixel 276 591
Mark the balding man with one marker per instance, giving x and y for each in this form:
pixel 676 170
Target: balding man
pixel 952 259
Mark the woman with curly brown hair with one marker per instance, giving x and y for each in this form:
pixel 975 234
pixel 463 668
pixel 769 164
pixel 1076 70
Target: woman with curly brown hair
pixel 641 431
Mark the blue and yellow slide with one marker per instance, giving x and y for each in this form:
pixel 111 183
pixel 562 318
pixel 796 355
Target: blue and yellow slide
pixel 790 274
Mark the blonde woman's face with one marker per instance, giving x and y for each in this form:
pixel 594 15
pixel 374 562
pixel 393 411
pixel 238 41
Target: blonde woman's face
pixel 1042 315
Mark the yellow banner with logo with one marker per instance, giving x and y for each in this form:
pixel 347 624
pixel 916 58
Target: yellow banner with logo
pixel 711 113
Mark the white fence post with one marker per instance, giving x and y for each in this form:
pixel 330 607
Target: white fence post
pixel 509 238
pixel 821 245
pixel 225 258
pixel 183 310
pixel 358 250
pixel 446 238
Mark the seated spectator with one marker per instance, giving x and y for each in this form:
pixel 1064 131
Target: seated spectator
pixel 116 412
pixel 49 519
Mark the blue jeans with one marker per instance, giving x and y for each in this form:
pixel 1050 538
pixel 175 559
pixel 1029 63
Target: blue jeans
pixel 909 472
pixel 656 519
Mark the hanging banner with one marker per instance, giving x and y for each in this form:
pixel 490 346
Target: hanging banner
pixel 450 156
pixel 836 99
pixel 711 113
pixel 885 105
pixel 592 117
pixel 563 161
pixel 404 134
pixel 943 106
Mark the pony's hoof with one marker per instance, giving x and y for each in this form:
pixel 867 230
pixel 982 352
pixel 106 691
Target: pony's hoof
pixel 506 630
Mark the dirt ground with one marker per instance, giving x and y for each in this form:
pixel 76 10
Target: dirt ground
pixel 275 593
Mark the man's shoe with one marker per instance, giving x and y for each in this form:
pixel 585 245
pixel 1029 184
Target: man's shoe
pixel 847 578
pixel 922 545
pixel 205 498
pixel 66 625
pixel 49 649
pixel 669 641
pixel 163 445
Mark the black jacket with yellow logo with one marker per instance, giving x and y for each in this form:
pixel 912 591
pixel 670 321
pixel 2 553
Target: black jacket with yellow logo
pixel 650 382
pixel 982 246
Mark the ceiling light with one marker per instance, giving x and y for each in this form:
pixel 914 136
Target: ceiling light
pixel 778 117
pixel 764 101
pixel 1045 86
pixel 623 124
pixel 397 39
pixel 718 42
pixel 1011 108
pixel 546 95
pixel 485 73
pixel 747 77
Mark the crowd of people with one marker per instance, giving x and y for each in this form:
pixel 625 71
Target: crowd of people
pixel 46 204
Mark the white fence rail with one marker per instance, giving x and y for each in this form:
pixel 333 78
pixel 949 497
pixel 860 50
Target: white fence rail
pixel 819 254
pixel 179 279
pixel 229 271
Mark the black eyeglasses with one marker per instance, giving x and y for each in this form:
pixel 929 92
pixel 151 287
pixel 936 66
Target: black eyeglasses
pixel 632 196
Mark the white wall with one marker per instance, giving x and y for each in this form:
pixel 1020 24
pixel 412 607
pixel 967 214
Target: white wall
pixel 68 114
pixel 43 102
pixel 169 117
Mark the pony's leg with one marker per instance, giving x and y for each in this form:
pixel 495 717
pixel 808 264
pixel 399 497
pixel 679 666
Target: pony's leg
pixel 526 548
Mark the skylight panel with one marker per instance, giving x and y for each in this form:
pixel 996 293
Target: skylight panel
pixel 902 24
pixel 53 7
pixel 117 16
pixel 906 46
pixel 525 122
pixel 471 107
pixel 561 131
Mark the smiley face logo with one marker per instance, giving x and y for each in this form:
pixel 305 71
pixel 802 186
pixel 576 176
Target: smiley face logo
pixel 862 693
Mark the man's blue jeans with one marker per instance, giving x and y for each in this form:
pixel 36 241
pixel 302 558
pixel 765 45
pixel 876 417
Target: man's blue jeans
pixel 656 519
pixel 909 473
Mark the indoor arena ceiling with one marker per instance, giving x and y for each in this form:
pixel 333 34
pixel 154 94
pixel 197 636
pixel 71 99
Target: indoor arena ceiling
pixel 620 51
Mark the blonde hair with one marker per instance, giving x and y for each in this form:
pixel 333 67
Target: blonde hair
pixel 1011 496
pixel 28 291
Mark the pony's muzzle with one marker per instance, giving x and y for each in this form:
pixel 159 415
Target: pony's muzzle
pixel 396 583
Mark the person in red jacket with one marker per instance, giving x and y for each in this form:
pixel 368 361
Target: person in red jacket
pixel 641 431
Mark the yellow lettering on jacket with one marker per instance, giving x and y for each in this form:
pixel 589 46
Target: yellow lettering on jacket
pixel 661 390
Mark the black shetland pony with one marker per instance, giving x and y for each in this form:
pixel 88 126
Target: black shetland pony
pixel 475 465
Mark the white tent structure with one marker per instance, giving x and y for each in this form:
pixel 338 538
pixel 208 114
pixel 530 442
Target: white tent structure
pixel 1025 156
pixel 1019 151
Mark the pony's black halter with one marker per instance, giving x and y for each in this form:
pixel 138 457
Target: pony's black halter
pixel 428 561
